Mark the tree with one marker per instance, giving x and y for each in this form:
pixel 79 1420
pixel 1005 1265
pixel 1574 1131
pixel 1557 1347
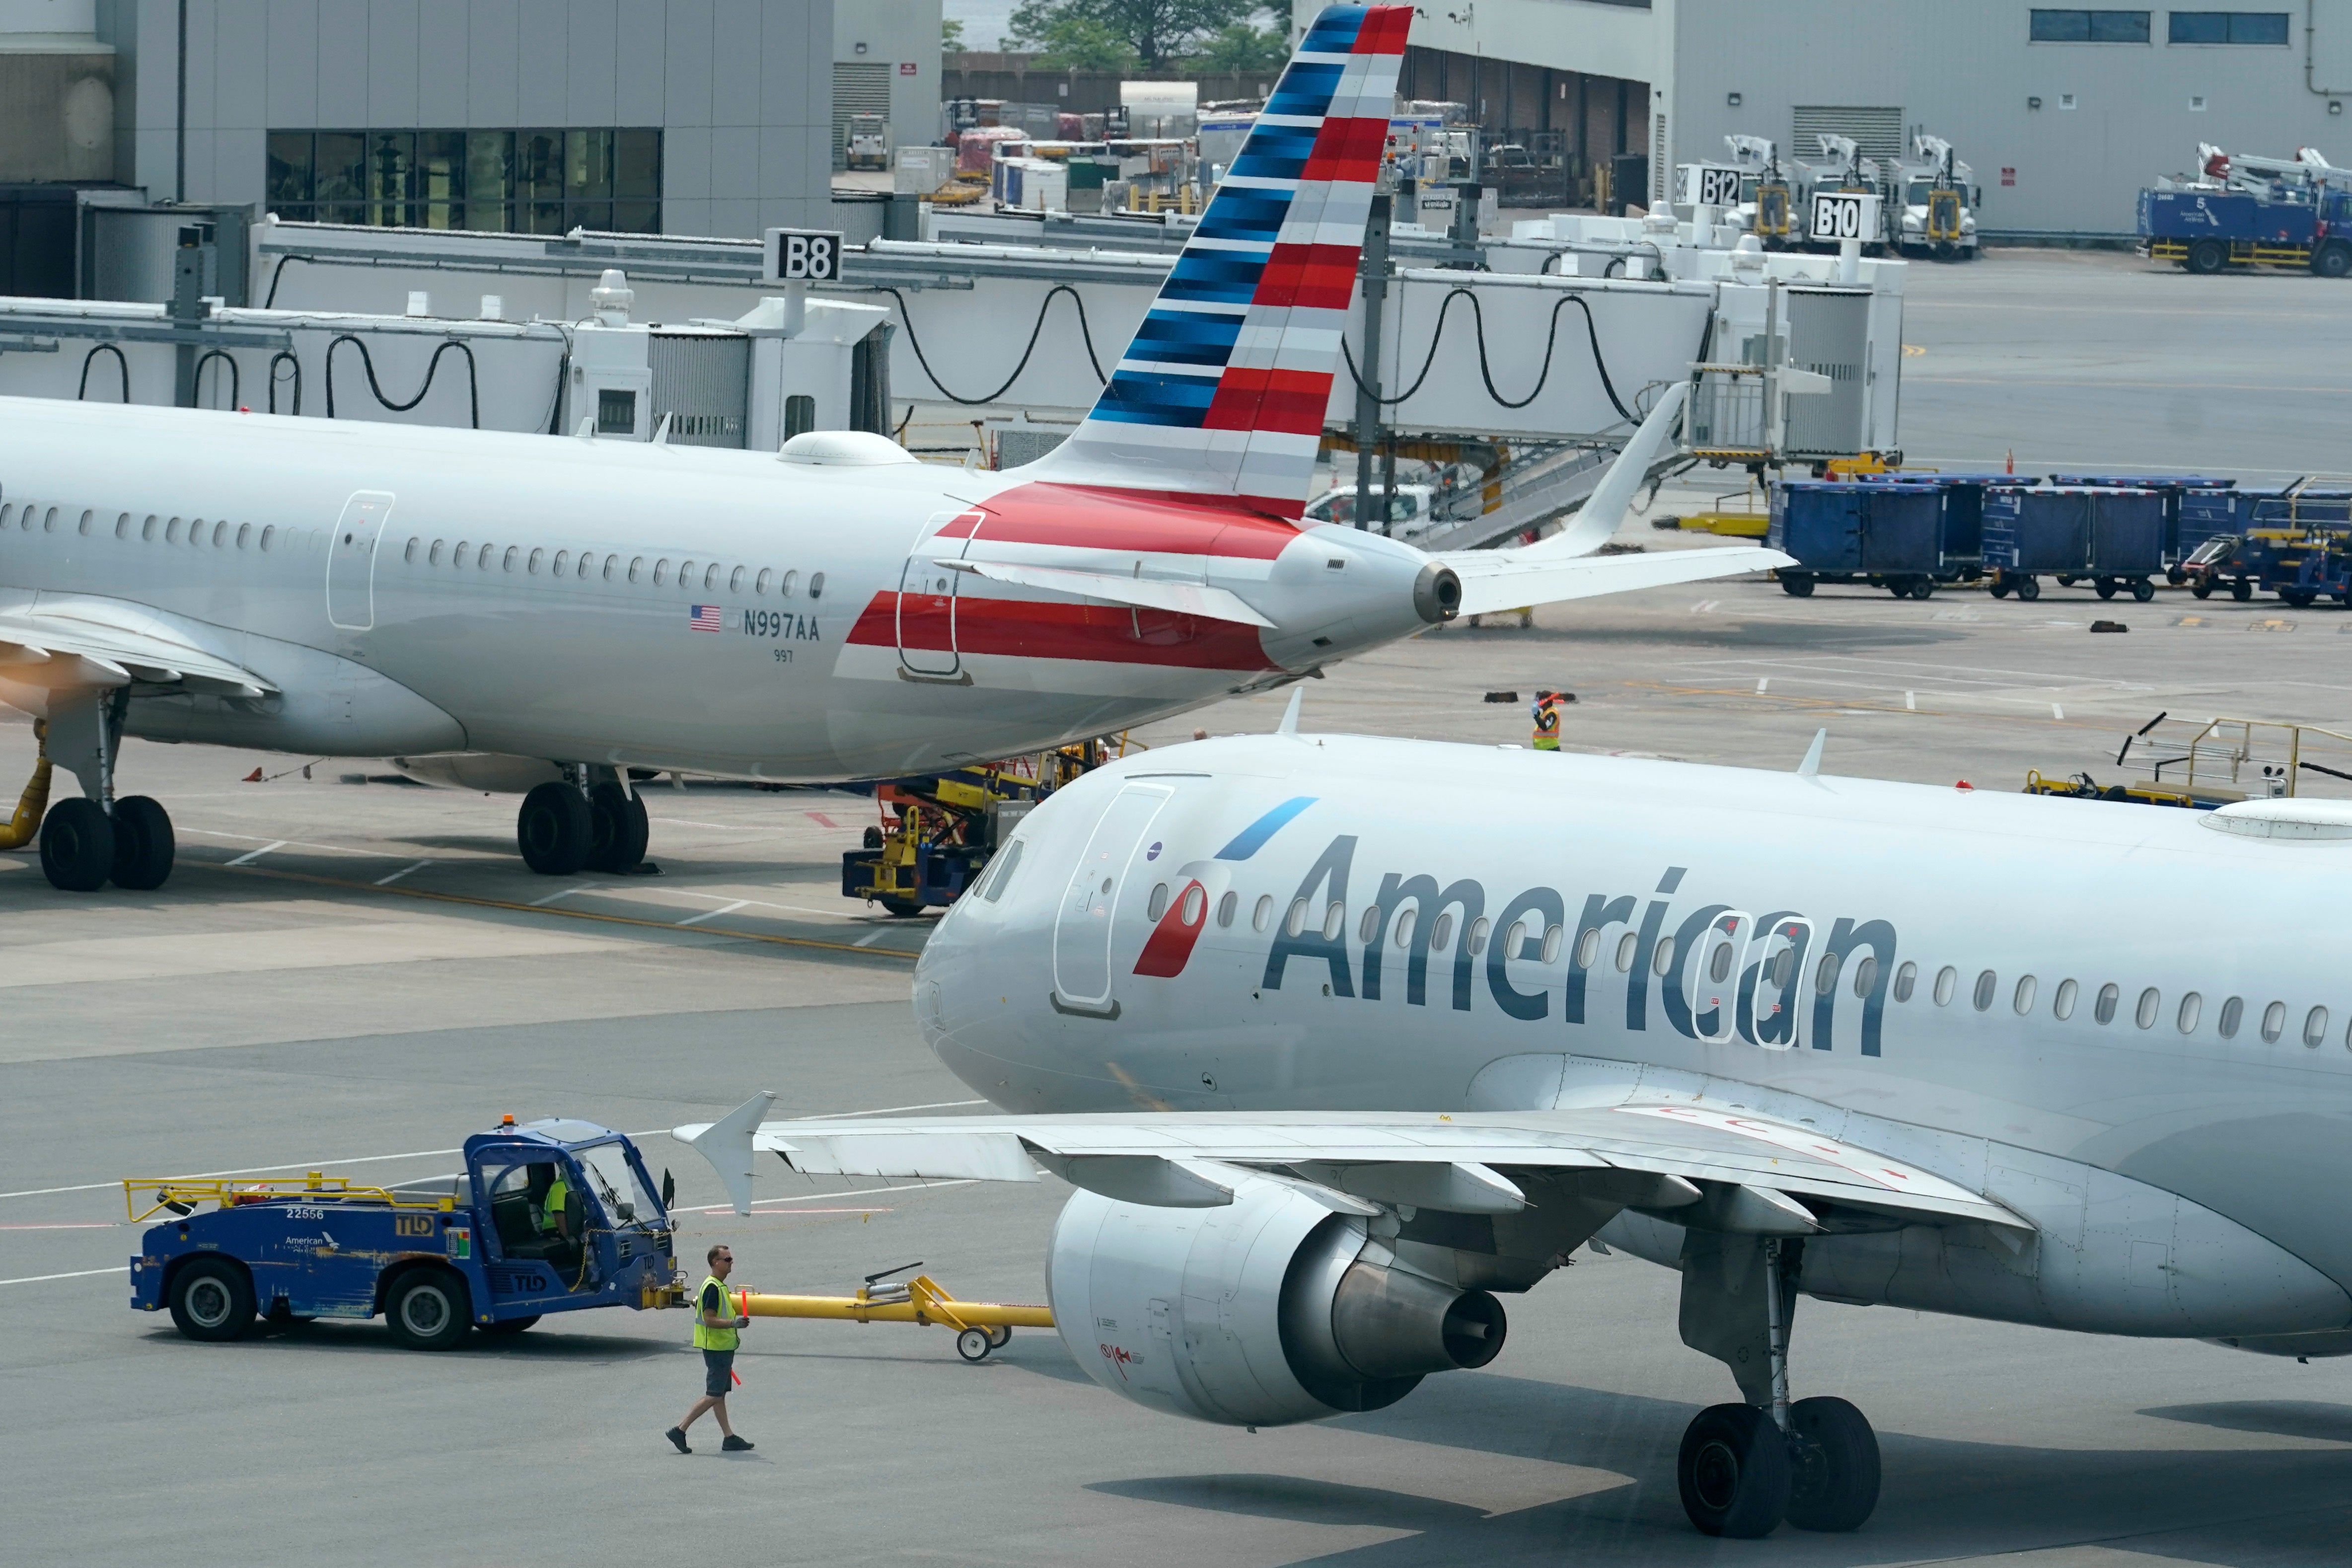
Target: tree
pixel 1157 31
pixel 1083 44
pixel 1239 49
pixel 950 35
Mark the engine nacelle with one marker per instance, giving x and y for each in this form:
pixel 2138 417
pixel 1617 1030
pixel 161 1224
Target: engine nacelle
pixel 1268 1310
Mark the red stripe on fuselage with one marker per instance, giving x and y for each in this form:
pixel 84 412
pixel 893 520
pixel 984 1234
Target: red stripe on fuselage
pixel 1156 521
pixel 1170 946
pixel 1029 628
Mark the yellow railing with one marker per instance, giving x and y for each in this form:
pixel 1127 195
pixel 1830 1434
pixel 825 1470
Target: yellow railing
pixel 181 1194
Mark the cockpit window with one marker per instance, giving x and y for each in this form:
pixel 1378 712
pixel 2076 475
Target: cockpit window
pixel 1005 866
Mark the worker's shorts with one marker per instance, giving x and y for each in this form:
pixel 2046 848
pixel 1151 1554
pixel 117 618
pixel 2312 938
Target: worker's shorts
pixel 717 1369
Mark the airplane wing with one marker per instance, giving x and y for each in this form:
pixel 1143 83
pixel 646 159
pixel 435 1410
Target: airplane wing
pixel 1750 1173
pixel 59 645
pixel 1144 593
pixel 1496 580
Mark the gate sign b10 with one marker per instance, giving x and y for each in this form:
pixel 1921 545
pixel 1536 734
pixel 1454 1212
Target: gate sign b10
pixel 1844 215
pixel 1706 185
pixel 802 255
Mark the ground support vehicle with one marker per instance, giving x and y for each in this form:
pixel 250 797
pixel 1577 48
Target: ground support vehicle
pixel 980 1326
pixel 2115 538
pixel 1898 537
pixel 2178 512
pixel 2221 560
pixel 2205 229
pixel 2202 764
pixel 554 1216
pixel 2305 567
pixel 947 826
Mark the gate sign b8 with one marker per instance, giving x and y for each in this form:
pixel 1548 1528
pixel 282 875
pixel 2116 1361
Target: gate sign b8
pixel 802 255
pixel 1844 215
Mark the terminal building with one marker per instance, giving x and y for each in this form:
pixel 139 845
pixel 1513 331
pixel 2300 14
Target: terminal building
pixel 2064 114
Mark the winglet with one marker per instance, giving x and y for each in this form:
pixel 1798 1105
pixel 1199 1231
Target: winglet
pixel 1290 725
pixel 727 1144
pixel 1812 766
pixel 1604 511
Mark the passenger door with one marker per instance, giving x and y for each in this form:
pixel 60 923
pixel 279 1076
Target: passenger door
pixel 1084 928
pixel 927 604
pixel 351 560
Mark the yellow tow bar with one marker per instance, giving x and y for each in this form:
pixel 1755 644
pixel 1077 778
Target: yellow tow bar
pixel 981 1326
pixel 25 825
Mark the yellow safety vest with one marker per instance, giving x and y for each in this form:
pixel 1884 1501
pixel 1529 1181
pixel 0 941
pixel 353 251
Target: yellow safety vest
pixel 707 1338
pixel 551 1212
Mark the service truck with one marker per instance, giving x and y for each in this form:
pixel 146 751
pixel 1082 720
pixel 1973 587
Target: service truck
pixel 2286 212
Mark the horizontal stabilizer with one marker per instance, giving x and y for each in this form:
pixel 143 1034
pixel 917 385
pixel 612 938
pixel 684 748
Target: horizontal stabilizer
pixel 1494 580
pixel 1144 592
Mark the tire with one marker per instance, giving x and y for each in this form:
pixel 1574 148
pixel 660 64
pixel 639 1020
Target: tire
pixel 1797 587
pixel 506 1328
pixel 905 909
pixel 143 845
pixel 212 1299
pixel 2175 575
pixel 429 1309
pixel 973 1344
pixel 2300 598
pixel 2241 590
pixel 2207 256
pixel 873 839
pixel 2332 260
pixel 2000 589
pixel 999 1335
pixel 2067 579
pixel 554 830
pixel 1733 1472
pixel 617 830
pixel 2201 589
pixel 1833 1484
pixel 77 846
pixel 2104 587
pixel 2029 588
pixel 1923 588
pixel 2143 590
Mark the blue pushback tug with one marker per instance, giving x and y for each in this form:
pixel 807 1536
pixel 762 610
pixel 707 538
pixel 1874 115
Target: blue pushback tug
pixel 553 1216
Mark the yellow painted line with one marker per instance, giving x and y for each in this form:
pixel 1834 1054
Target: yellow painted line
pixel 421 893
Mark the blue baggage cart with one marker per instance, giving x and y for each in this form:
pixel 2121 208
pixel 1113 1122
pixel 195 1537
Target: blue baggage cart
pixel 2176 489
pixel 2115 538
pixel 1888 536
pixel 1963 510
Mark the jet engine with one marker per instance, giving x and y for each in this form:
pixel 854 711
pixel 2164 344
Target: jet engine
pixel 1265 1311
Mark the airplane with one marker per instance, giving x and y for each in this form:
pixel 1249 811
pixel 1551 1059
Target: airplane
pixel 1331 1076
pixel 531 609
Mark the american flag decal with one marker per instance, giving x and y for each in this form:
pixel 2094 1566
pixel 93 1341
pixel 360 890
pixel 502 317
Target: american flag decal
pixel 704 618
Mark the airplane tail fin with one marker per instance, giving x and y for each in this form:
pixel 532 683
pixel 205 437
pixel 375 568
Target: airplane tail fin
pixel 1223 392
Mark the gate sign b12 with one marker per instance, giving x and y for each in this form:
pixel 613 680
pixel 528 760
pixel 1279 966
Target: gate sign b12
pixel 1844 215
pixel 1707 186
pixel 802 255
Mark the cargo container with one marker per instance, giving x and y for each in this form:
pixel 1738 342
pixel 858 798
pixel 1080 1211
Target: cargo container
pixel 2113 537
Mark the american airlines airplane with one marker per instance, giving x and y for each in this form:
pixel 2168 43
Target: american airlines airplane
pixel 380 590
pixel 1332 1077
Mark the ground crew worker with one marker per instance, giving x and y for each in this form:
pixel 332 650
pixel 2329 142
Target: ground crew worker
pixel 1547 712
pixel 714 1325
pixel 554 1215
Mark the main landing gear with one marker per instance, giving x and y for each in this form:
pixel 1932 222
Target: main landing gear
pixel 93 839
pixel 1745 1469
pixel 591 824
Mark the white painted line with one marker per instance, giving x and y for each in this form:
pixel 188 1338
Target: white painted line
pixel 871 937
pixel 258 854
pixel 284 843
pixel 70 1225
pixel 404 870
pixel 891 1111
pixel 2056 711
pixel 1761 682
pixel 815 1197
pixel 718 826
pixel 563 893
pixel 1911 701
pixel 77 1274
pixel 721 910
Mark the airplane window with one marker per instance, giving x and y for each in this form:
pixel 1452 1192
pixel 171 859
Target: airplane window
pixel 2104 1012
pixel 85 523
pixel 513 553
pixel 49 522
pixel 433 556
pixel 685 571
pixel 2314 1027
pixel 1476 941
pixel 245 535
pixel 760 583
pixel 2144 1014
pixel 1263 913
pixel 2273 1022
pixel 1335 921
pixel 1782 962
pixel 122 526
pixel 1515 940
pixel 2191 1005
pixel 1625 946
pixel 1825 974
pixel 1005 865
pixel 220 532
pixel 1946 980
pixel 1404 924
pixel 2022 1001
pixel 268 534
pixel 661 572
pixel 1986 983
pixel 1905 979
pixel 1225 907
pixel 636 568
pixel 409 554
pixel 562 560
pixel 1195 901
pixel 1441 932
pixel 735 579
pixel 2062 1006
pixel 1662 957
pixel 482 562
pixel 1551 945
pixel 172 532
pixel 710 575
pixel 147 534
pixel 1368 930
pixel 1159 904
pixel 784 588
pixel 1865 977
pixel 1588 948
pixel 1296 919
pixel 2232 1010
pixel 611 562
pixel 586 561
pixel 816 585
pixel 5 513
pixel 1718 967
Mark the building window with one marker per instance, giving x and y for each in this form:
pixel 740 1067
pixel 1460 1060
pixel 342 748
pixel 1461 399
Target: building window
pixel 2088 27
pixel 2228 28
pixel 519 181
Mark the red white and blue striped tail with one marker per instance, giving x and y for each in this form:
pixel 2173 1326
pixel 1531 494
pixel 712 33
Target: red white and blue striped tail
pixel 1223 392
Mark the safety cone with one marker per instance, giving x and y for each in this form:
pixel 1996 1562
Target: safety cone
pixel 2012 460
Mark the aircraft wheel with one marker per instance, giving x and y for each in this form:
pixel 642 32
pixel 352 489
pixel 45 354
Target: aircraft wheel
pixel 618 831
pixel 212 1299
pixel 1833 1461
pixel 1733 1472
pixel 2241 590
pixel 143 844
pixel 77 846
pixel 2029 588
pixel 2143 590
pixel 973 1344
pixel 555 829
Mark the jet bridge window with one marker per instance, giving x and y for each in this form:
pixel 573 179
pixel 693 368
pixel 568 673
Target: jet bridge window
pixel 2054 26
pixel 2228 28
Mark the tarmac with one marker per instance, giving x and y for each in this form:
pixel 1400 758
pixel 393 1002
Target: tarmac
pixel 352 976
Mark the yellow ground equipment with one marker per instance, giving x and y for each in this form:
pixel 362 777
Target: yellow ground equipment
pixel 1943 217
pixel 25 825
pixel 980 1326
pixel 1773 210
pixel 949 824
pixel 2215 762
